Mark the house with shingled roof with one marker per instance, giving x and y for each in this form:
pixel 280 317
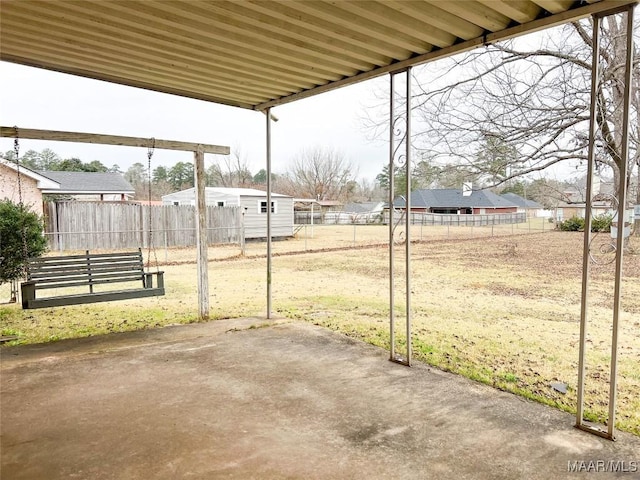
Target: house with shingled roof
pixel 530 207
pixel 456 201
pixel 90 186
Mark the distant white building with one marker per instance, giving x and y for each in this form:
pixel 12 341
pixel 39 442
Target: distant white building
pixel 254 203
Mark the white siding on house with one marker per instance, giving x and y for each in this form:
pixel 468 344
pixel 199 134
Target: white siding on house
pixel 255 221
pixel 212 197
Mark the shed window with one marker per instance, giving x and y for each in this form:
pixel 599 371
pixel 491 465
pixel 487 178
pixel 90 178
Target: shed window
pixel 220 204
pixel 263 207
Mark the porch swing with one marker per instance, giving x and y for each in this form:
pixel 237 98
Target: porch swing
pixel 90 270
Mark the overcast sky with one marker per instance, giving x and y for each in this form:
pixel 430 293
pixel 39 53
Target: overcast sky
pixel 40 99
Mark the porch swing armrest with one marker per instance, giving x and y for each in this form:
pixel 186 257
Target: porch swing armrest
pixel 148 280
pixel 27 293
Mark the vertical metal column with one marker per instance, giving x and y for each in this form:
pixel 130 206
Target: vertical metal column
pixel 622 206
pixel 407 259
pixel 586 262
pixel 622 203
pixel 268 115
pixel 392 152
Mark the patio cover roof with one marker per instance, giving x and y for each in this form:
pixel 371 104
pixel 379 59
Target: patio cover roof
pixel 258 54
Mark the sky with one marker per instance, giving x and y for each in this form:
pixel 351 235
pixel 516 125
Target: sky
pixel 41 99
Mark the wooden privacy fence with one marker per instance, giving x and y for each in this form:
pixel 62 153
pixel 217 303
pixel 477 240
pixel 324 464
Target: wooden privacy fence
pixel 110 226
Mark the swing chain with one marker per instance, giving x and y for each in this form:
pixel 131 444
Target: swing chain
pixel 16 151
pixel 150 151
pixel 150 246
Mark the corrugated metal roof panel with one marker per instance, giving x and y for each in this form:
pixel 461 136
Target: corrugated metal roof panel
pixel 259 54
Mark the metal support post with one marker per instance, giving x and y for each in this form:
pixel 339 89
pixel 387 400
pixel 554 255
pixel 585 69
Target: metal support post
pixel 622 201
pixel 586 263
pixel 408 219
pixel 392 152
pixel 622 206
pixel 268 115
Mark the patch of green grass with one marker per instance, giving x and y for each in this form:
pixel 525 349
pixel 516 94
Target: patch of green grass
pixel 49 325
pixel 509 377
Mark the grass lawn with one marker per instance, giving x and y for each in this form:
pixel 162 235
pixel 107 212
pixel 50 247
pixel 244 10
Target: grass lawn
pixel 502 310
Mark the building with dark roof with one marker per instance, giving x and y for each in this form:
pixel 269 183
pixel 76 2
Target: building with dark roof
pixel 457 201
pixel 364 207
pixel 521 201
pixel 91 186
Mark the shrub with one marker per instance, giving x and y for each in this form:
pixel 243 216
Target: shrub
pixel 573 224
pixel 17 220
pixel 601 223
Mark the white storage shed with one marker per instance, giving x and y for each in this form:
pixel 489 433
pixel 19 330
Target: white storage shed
pixel 254 203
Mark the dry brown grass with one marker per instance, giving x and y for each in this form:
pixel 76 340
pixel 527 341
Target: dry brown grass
pixel 504 311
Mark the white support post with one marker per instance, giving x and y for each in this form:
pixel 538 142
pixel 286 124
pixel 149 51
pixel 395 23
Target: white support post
pixel 268 116
pixel 408 219
pixel 392 334
pixel 586 263
pixel 622 207
pixel 622 203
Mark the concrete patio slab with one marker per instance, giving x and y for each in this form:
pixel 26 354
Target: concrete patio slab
pixel 251 399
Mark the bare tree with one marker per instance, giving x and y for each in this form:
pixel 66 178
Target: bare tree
pixel 230 170
pixel 533 100
pixel 322 173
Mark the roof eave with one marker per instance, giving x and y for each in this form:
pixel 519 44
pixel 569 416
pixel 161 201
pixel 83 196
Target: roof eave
pixel 603 7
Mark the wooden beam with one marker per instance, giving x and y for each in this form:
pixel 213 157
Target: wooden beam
pixel 80 137
pixel 201 236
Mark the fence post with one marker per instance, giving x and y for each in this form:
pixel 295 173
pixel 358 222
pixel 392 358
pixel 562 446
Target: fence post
pixel 142 225
pixel 354 234
pixel 166 246
pixel 243 242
